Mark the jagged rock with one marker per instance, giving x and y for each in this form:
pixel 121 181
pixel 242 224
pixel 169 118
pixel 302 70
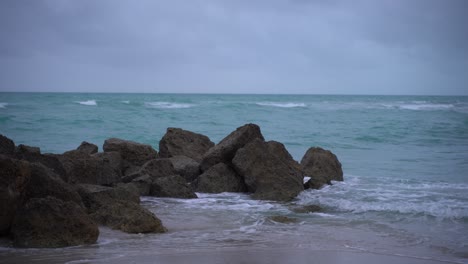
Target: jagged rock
pixel 88 148
pixel 155 168
pixel 33 155
pixel 269 171
pixel 186 167
pixel 283 219
pixel 100 168
pixel 23 149
pixel 143 184
pixel 7 146
pixel 14 178
pixel 179 142
pixel 119 209
pixel 171 186
pixel 133 153
pixel 50 222
pixel 322 166
pixel 220 178
pixel 226 149
pixel 306 209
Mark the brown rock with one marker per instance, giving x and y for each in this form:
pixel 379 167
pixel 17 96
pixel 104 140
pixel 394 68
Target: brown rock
pixel 133 153
pixel 322 166
pixel 88 148
pixel 220 178
pixel 186 167
pixel 283 219
pixel 7 146
pixel 179 142
pixel 172 186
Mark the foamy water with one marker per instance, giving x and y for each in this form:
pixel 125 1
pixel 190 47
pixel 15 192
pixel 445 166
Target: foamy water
pixel 88 102
pixel 167 105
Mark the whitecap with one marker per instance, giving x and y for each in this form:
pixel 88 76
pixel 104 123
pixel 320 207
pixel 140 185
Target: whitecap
pixel 126 102
pixel 419 107
pixel 282 105
pixel 3 105
pixel 167 105
pixel 89 102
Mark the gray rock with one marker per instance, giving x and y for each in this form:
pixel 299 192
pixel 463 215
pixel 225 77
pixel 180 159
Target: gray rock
pixel 306 209
pixel 179 142
pixel 33 155
pixel 186 167
pixel 133 153
pixel 14 179
pixel 269 171
pixel 7 146
pixel 50 222
pixel 155 168
pixel 283 219
pixel 143 184
pixel 322 166
pixel 23 149
pixel 172 186
pixel 226 149
pixel 88 148
pixel 220 178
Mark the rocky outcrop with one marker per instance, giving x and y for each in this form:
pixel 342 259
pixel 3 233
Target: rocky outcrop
pixel 226 149
pixel 50 222
pixel 155 168
pixel 269 171
pixel 88 148
pixel 133 154
pixel 7 146
pixel 119 208
pixel 172 186
pixel 322 166
pixel 100 168
pixel 33 155
pixel 220 178
pixel 179 142
pixel 14 179
pixel 186 167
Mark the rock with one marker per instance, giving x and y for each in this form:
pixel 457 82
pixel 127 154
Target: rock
pixel 322 166
pixel 50 222
pixel 143 184
pixel 306 209
pixel 226 149
pixel 88 148
pixel 44 182
pixel 171 186
pixel 7 146
pixel 119 209
pixel 269 171
pixel 283 219
pixel 220 178
pixel 155 168
pixel 186 167
pixel 100 168
pixel 23 149
pixel 133 153
pixel 14 179
pixel 179 142
pixel 33 155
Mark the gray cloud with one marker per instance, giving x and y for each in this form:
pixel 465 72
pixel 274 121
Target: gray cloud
pixel 279 46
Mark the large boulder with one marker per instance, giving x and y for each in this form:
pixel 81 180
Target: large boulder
pixel 322 166
pixel 88 148
pixel 220 178
pixel 134 154
pixel 100 168
pixel 269 171
pixel 186 167
pixel 14 179
pixel 225 150
pixel 172 186
pixel 33 155
pixel 119 208
pixel 155 168
pixel 179 142
pixel 7 146
pixel 50 222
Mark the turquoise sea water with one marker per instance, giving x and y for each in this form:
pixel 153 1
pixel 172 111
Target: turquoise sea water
pixel 405 163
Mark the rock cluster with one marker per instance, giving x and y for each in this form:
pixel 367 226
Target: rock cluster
pixel 56 200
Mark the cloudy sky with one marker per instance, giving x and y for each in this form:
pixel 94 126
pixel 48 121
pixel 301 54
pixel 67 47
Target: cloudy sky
pixel 235 46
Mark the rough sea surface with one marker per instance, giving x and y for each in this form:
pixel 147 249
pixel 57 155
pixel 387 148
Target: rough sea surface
pixel 405 163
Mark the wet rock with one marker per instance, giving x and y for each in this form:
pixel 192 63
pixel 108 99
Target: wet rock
pixel 306 209
pixel 179 142
pixel 50 222
pixel 88 148
pixel 186 167
pixel 132 153
pixel 226 149
pixel 7 146
pixel 322 166
pixel 100 168
pixel 119 209
pixel 283 219
pixel 220 178
pixel 172 186
pixel 269 171
pixel 14 179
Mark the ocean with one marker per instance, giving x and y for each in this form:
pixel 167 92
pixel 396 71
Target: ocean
pixel 405 164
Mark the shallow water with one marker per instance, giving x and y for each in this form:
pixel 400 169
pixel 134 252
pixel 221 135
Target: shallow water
pixel 405 160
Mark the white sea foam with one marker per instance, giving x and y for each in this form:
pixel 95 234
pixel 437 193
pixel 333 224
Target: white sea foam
pixel 126 102
pixel 282 105
pixel 3 105
pixel 89 102
pixel 168 105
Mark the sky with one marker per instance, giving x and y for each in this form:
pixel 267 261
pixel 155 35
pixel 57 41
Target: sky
pixel 235 46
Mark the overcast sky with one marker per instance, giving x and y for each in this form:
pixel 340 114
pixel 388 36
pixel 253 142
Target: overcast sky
pixel 235 46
